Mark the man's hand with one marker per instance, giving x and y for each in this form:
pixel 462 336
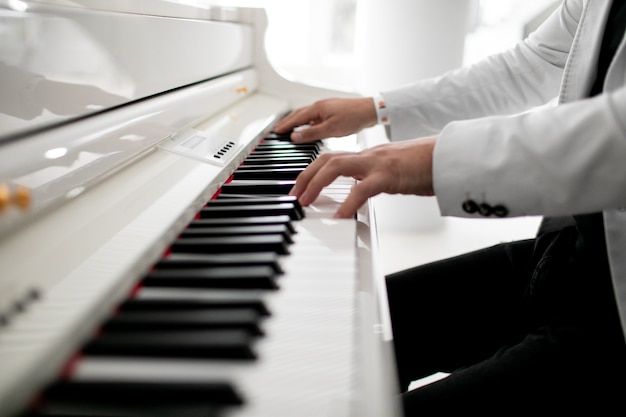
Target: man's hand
pixel 333 117
pixel 394 168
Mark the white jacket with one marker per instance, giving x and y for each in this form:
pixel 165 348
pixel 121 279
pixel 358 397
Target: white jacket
pixel 561 160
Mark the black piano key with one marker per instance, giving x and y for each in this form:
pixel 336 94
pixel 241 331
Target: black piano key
pixel 122 398
pixel 250 210
pixel 78 408
pixel 201 260
pixel 279 136
pixel 240 277
pixel 205 344
pixel 257 160
pixel 104 408
pixel 247 221
pixel 268 146
pixel 221 200
pixel 137 321
pixel 226 201
pixel 288 158
pixel 285 149
pixel 270 142
pixel 276 229
pixel 218 300
pixel 133 392
pixel 286 137
pixel 268 174
pixel 231 244
pixel 251 166
pixel 280 154
pixel 283 152
pixel 258 187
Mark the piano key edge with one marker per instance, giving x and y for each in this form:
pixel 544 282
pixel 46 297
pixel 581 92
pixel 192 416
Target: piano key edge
pixel 376 377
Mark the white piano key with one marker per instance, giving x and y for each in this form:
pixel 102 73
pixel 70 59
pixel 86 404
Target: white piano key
pixel 307 352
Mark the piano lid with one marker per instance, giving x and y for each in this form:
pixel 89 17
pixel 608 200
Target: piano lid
pixel 189 9
pixel 87 90
pixel 62 60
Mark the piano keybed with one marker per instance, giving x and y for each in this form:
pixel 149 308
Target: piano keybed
pixel 252 304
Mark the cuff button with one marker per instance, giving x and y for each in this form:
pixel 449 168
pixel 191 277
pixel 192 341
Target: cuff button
pixel 470 206
pixel 500 211
pixel 485 210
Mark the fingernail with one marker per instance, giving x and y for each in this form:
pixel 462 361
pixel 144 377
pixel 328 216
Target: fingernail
pixel 296 136
pixel 304 198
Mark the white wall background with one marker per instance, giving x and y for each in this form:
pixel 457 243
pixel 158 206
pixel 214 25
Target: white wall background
pixel 369 45
pixel 372 45
pixel 348 44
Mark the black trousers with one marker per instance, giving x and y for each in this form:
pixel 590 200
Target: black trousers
pixel 529 325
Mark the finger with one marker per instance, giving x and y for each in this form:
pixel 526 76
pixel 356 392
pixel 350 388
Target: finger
pixel 359 194
pixel 304 178
pixel 296 118
pixel 311 133
pixel 328 170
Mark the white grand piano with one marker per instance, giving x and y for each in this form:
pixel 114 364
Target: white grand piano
pixel 131 284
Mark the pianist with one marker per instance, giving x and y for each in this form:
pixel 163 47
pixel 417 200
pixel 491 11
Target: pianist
pixel 531 324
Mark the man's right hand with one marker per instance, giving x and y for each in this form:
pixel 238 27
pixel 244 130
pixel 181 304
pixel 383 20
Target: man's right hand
pixel 394 168
pixel 335 117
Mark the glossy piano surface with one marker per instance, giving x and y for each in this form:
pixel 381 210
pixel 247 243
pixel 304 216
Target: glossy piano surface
pixel 96 205
pixel 60 63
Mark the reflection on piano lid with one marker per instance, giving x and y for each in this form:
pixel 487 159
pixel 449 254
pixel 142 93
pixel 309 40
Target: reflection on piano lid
pixel 125 209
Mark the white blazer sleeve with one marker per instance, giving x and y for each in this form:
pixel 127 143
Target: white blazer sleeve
pixel 569 159
pixel 525 76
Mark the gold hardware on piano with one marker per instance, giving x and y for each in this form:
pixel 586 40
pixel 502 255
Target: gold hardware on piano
pixel 21 198
pixel 18 197
pixel 5 197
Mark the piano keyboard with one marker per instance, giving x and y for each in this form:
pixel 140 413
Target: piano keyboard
pixel 250 312
pixel 122 291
